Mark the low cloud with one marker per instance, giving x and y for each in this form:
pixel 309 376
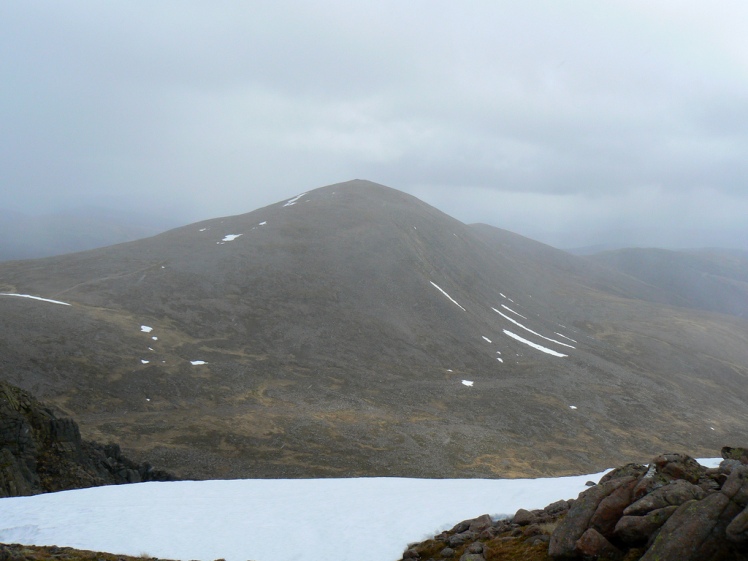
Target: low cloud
pixel 561 122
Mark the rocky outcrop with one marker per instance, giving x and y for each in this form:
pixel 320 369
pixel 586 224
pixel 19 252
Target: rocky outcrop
pixel 40 452
pixel 677 509
pixel 672 509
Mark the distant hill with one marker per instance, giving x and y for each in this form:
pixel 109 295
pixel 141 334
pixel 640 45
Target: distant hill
pixel 355 330
pixel 30 237
pixel 708 279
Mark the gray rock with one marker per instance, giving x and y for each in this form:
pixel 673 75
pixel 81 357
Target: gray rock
pixel 537 540
pixel 637 530
pixel 459 539
pixel 475 547
pixel 447 552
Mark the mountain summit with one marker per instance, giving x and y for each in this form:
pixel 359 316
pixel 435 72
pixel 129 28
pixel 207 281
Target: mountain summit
pixel 355 330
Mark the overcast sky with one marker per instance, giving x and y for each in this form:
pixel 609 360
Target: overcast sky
pixel 574 122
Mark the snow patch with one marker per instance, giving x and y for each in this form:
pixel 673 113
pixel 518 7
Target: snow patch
pixel 291 202
pixel 533 345
pixel 144 361
pixel 262 223
pixel 448 296
pixel 231 237
pixel 154 338
pixel 572 406
pixel 197 362
pixel 468 383
pixel 34 298
pixel 146 328
pixel 486 338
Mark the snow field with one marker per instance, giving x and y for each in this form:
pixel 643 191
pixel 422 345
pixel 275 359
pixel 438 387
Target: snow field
pixel 367 519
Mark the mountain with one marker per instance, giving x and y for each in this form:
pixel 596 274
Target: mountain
pixel 708 279
pixel 28 237
pixel 355 330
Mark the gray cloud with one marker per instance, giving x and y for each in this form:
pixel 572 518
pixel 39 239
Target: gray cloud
pixel 567 122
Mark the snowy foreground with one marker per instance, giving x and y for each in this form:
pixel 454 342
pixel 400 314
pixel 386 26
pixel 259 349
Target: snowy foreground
pixel 367 519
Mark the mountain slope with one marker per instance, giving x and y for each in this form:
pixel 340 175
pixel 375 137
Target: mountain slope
pixel 355 330
pixel 707 279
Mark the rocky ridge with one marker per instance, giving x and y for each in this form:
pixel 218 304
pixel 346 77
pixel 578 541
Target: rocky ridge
pixel 40 452
pixel 673 508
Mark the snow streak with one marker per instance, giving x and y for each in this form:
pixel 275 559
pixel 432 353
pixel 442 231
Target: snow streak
pixel 515 313
pixel 533 345
pixel 530 330
pixel 447 295
pixel 34 298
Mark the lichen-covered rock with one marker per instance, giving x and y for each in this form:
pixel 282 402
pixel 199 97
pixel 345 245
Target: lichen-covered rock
pixel 679 466
pixel 628 470
pixel 674 493
pixel 739 454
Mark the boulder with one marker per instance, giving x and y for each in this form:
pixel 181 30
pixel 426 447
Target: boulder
pixel 637 530
pixel 611 508
pixel 475 547
pixel 459 539
pixel 628 470
pixel 481 523
pixel 679 466
pixel 696 531
pixel 524 517
pixel 556 508
pixel 594 545
pixel 739 454
pixel 577 521
pixel 737 530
